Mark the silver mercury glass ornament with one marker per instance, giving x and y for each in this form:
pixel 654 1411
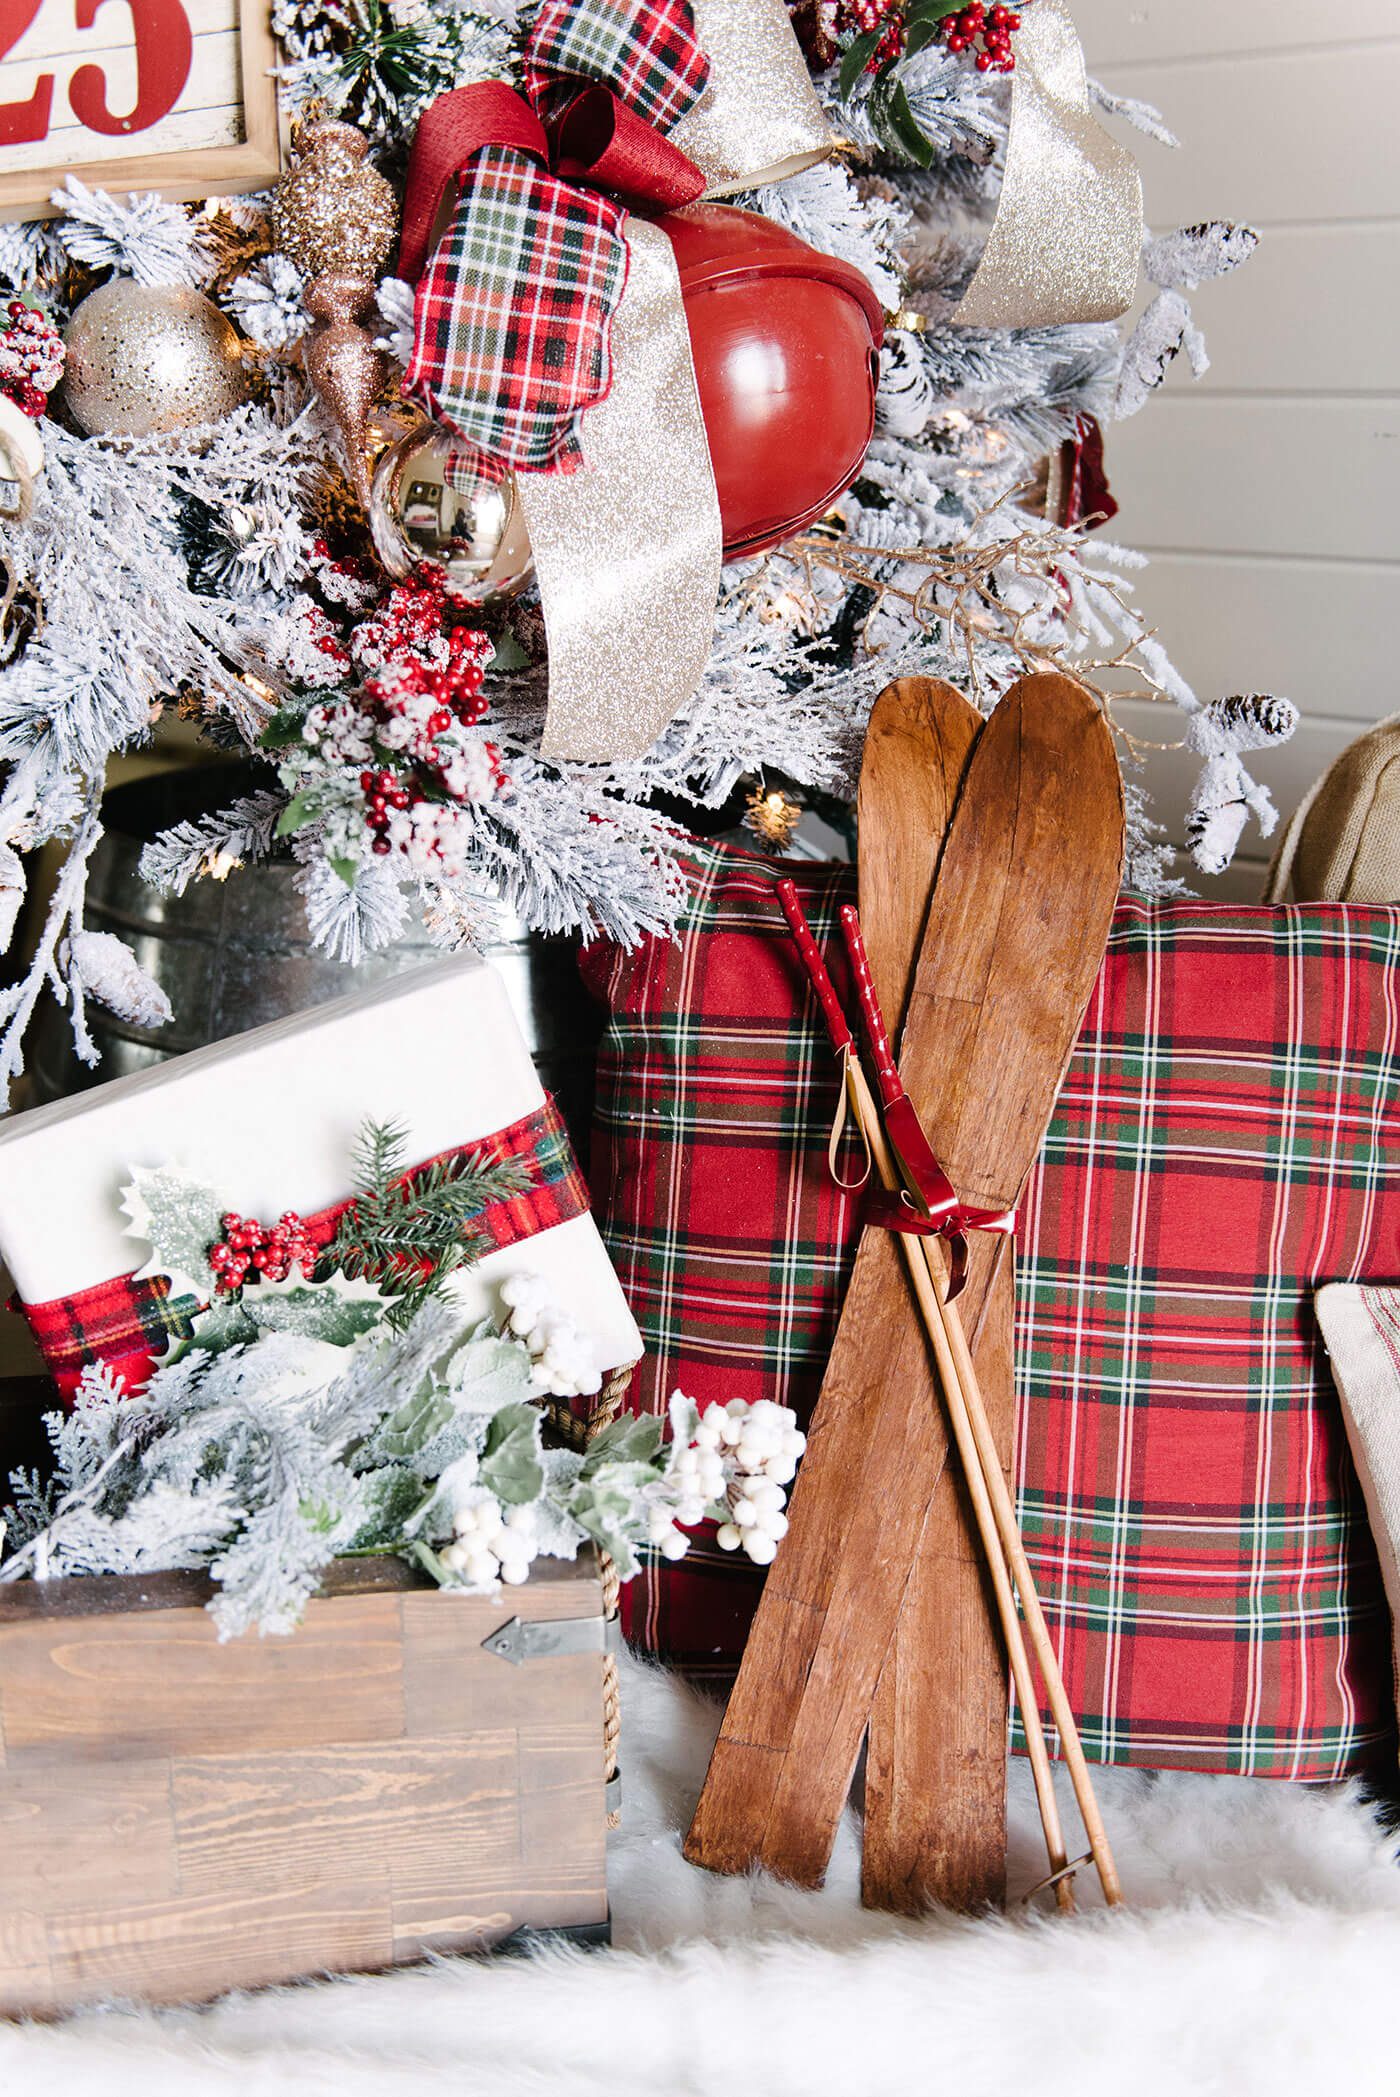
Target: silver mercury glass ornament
pixel 434 504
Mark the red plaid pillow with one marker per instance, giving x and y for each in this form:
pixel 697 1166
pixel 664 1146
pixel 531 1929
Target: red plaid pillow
pixel 1227 1138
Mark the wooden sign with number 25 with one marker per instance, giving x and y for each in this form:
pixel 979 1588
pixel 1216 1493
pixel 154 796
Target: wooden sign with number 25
pixel 172 95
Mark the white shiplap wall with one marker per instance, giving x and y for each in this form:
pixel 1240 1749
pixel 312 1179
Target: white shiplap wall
pixel 1268 493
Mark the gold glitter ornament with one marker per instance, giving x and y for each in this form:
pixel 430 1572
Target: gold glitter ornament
pixel 332 212
pixel 431 507
pixel 142 358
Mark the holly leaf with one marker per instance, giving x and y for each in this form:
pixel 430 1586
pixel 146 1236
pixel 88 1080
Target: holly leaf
pixel 894 123
pixel 300 810
pixel 283 729
pixel 633 1439
pixel 224 1324
pixel 180 1218
pixel 347 869
pixel 509 654
pixel 338 1309
pixel 510 1462
pixel 855 59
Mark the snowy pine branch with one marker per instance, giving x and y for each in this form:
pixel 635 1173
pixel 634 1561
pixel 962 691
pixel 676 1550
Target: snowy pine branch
pixel 243 831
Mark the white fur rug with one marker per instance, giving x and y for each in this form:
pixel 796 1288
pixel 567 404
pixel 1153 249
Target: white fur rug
pixel 1260 1953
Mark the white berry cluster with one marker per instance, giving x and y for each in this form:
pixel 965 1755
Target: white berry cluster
pixel 739 1459
pixel 490 1544
pixel 565 1360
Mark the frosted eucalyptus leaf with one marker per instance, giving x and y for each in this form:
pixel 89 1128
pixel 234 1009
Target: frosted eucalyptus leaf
pixel 510 1464
pixel 489 1373
pixel 606 1512
pixel 413 1426
pixel 632 1439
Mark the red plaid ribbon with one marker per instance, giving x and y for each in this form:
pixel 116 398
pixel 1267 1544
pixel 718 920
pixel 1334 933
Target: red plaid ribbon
pixel 514 313
pixel 644 51
pixel 127 1323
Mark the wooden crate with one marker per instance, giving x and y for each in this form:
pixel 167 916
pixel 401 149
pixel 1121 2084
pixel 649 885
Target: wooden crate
pixel 180 1817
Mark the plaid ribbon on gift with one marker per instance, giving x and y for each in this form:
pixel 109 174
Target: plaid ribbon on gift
pixel 128 1322
pixel 1227 1137
pixel 513 317
pixel 644 50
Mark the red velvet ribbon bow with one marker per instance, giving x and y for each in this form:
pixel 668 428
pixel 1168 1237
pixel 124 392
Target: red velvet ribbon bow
pixel 592 140
pixel 514 310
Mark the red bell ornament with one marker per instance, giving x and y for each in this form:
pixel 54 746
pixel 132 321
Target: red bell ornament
pixel 786 347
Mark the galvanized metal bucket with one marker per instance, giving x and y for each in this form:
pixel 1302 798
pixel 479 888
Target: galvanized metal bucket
pixel 235 953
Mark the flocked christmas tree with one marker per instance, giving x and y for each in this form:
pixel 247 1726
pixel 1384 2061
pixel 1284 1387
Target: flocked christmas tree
pixel 225 568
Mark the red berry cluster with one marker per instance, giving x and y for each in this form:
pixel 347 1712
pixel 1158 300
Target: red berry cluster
pixel 31 357
pixel 986 31
pixel 248 1247
pixel 383 791
pixel 864 15
pixel 346 580
pixel 407 620
pixel 422 701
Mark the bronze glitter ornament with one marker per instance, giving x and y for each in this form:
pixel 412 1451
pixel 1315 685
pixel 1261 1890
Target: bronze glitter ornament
pixel 336 218
pixel 333 212
pixel 141 359
pixel 432 506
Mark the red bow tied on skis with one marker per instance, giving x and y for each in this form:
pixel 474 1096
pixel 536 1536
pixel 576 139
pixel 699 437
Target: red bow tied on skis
pixel 514 314
pixel 927 1205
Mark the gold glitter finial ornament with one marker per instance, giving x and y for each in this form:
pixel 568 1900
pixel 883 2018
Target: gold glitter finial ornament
pixel 333 212
pixel 336 217
pixel 140 359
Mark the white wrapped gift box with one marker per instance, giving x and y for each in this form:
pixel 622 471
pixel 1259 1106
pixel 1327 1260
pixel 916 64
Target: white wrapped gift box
pixel 271 1118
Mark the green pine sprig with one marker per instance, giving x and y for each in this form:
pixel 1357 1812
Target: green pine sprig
pixel 407 1232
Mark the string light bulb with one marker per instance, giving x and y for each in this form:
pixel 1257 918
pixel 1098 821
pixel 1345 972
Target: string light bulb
pixel 773 815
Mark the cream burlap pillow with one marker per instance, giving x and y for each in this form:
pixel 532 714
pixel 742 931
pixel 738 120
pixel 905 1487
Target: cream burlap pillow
pixel 1343 844
pixel 1361 1326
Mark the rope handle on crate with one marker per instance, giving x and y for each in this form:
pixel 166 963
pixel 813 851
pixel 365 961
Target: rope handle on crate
pixel 609 1406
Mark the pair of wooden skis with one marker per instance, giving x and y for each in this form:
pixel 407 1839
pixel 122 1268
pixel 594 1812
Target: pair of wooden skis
pixel 990 861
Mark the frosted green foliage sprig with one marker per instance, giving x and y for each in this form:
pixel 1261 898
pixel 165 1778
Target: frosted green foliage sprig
pixel 309 1419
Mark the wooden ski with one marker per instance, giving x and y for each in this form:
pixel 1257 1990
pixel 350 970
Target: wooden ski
pixel 777 1767
pixel 1014 937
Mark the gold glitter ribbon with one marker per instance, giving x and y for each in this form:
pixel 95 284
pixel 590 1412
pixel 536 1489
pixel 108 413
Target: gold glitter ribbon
pixel 1067 237
pixel 627 549
pixel 759 120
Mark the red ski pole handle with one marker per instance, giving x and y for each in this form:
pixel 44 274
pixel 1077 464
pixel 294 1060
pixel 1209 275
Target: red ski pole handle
pixel 887 1077
pixel 815 967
